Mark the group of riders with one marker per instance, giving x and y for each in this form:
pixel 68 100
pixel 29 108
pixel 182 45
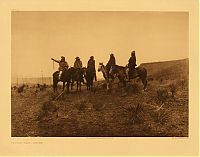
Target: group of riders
pixel 63 65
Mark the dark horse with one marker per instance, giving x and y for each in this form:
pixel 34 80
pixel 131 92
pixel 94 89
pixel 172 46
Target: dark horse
pixel 121 73
pixel 66 77
pixel 89 76
pixel 78 77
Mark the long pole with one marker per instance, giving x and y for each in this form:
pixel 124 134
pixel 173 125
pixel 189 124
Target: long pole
pixel 42 77
pixel 17 81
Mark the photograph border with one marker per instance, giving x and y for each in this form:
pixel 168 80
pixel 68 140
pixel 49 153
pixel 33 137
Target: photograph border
pixel 99 146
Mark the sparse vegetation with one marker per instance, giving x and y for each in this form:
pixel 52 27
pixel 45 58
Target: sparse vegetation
pixel 21 89
pixel 162 95
pixel 173 89
pixel 128 112
pixel 133 88
pixel 134 113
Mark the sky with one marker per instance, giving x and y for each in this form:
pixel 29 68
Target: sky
pixel 38 36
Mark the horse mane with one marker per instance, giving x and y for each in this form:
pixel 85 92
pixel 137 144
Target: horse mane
pixel 56 73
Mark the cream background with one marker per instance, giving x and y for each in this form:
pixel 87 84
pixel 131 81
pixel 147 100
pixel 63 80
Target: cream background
pixel 38 36
pixel 97 146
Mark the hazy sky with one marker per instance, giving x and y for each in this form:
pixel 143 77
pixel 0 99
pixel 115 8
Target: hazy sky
pixel 38 36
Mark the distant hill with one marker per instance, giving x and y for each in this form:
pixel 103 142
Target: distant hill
pixel 175 69
pixel 168 69
pixel 34 80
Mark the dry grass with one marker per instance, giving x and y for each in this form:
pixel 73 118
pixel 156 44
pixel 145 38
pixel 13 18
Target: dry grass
pixel 162 110
pixel 98 114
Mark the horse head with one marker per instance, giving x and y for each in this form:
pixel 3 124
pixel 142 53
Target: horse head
pixel 56 75
pixel 84 70
pixel 100 67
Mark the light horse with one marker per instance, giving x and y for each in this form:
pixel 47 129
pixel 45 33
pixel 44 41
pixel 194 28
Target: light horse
pixel 105 73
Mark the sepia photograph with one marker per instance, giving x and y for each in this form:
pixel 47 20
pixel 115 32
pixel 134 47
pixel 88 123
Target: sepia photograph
pixel 99 74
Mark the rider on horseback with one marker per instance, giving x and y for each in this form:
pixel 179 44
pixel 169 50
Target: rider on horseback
pixel 111 62
pixel 91 64
pixel 63 65
pixel 78 66
pixel 77 63
pixel 131 65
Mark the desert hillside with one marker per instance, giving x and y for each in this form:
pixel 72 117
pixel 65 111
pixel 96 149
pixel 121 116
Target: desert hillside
pixel 168 70
pixel 161 110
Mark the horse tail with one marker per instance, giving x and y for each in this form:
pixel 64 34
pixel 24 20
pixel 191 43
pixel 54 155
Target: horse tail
pixel 142 72
pixel 55 80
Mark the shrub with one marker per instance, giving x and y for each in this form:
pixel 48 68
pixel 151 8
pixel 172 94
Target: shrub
pixel 49 107
pixel 81 104
pixel 160 116
pixel 173 89
pixel 162 95
pixel 132 88
pixel 134 115
pixel 21 89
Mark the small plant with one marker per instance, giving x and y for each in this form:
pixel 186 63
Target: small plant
pixel 162 95
pixel 183 83
pixel 173 89
pixel 81 105
pixel 160 116
pixel 161 80
pixel 134 113
pixel 132 88
pixel 98 106
pixel 21 89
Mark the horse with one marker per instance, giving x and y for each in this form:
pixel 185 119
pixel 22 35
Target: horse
pixel 78 77
pixel 89 76
pixel 121 73
pixel 65 78
pixel 105 73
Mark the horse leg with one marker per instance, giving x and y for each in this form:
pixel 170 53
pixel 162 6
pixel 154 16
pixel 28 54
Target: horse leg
pixel 72 85
pixel 55 86
pixel 80 86
pixel 143 77
pixel 145 84
pixel 68 84
pixel 91 86
pixel 144 81
pixel 63 86
pixel 124 83
pixel 107 85
pixel 76 85
pixel 87 85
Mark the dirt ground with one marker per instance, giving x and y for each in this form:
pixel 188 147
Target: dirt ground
pixel 129 112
